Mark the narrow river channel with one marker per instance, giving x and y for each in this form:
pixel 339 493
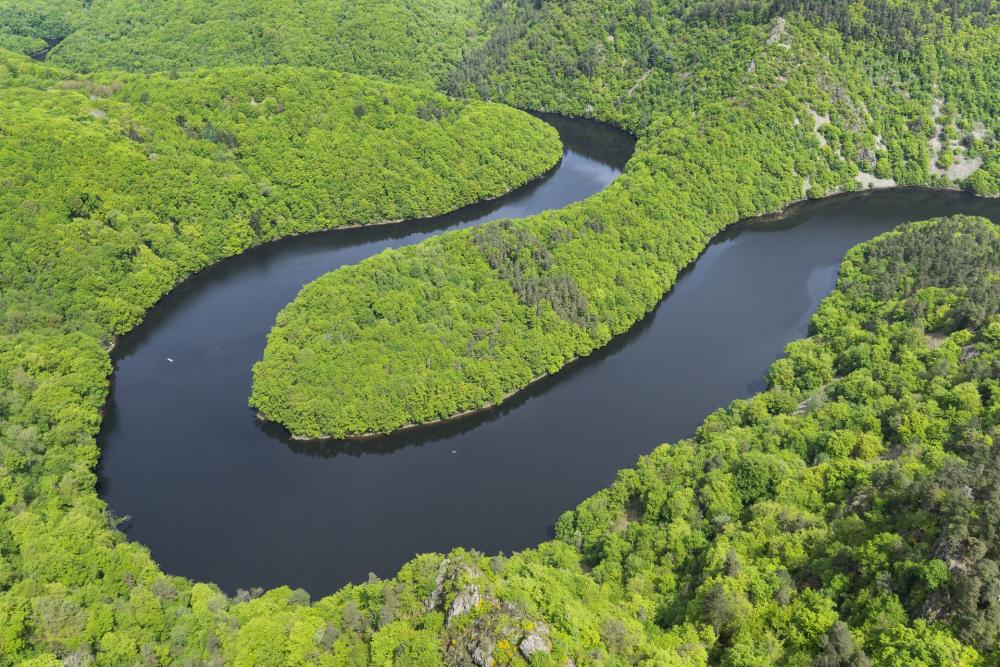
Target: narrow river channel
pixel 218 497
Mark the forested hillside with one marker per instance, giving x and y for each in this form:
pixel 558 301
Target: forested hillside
pixel 29 26
pixel 114 188
pixel 118 187
pixel 844 516
pixel 738 113
pixel 413 41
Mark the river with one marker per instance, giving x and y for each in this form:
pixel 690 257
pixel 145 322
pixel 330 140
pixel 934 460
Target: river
pixel 218 497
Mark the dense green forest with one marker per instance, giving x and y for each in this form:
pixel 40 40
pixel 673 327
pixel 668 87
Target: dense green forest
pixel 843 517
pixel 846 516
pixel 744 114
pixel 113 188
pixel 117 188
pixel 25 25
pixel 414 41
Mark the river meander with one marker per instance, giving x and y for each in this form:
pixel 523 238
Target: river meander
pixel 219 497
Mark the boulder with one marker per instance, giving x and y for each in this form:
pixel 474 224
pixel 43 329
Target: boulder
pixel 467 600
pixel 534 643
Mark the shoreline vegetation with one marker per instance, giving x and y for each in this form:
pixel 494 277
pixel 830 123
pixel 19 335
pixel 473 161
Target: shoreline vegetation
pixel 252 160
pixel 858 464
pixel 409 427
pixel 857 530
pixel 112 344
pixel 471 412
pixel 372 348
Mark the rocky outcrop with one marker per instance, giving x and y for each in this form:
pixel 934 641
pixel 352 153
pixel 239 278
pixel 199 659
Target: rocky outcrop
pixel 467 600
pixel 535 642
pixel 779 34
pixel 869 181
pixel 481 629
pixel 867 157
pixel 434 599
pixel 959 165
pixel 482 653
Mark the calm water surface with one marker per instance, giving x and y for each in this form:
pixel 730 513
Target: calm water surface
pixel 218 497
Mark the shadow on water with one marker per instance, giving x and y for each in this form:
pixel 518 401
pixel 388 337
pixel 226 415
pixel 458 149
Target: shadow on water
pixel 161 416
pixel 419 436
pixel 589 147
pixel 50 43
pixel 217 496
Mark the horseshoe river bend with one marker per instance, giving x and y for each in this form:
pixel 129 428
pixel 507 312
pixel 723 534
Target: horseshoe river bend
pixel 218 496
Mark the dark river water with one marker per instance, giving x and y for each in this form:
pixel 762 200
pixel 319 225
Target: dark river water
pixel 50 43
pixel 219 497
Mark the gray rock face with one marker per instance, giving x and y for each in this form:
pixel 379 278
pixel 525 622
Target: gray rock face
pixel 532 644
pixel 482 657
pixel 464 602
pixel 434 599
pixel 779 34
pixel 868 157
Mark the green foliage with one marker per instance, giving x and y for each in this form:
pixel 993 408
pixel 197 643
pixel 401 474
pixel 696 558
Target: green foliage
pixel 846 516
pixel 112 189
pixel 25 25
pixel 415 41
pixel 408 337
pixel 775 535
pixel 110 201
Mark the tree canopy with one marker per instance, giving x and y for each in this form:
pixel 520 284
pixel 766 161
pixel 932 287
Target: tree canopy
pixel 745 114
pixel 411 41
pixel 843 516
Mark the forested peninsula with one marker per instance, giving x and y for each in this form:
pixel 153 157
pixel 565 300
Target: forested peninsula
pixel 845 516
pixel 738 112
